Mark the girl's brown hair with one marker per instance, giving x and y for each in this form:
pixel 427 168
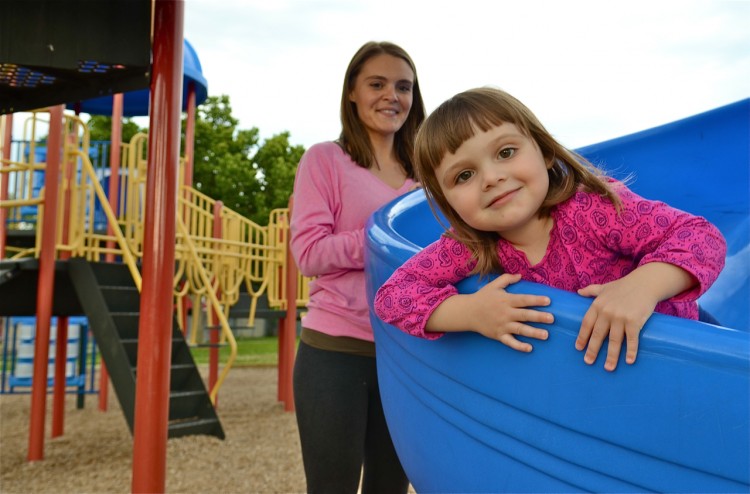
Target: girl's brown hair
pixel 460 118
pixel 354 138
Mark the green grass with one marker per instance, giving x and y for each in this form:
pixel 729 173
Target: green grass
pixel 250 352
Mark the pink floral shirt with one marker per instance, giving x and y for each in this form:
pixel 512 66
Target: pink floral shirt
pixel 589 243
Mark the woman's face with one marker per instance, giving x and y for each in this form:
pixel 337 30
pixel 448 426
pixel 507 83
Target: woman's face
pixel 383 94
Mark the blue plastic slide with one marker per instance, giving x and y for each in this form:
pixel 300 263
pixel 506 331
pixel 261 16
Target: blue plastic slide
pixel 468 414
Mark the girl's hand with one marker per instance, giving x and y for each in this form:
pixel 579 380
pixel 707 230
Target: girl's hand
pixel 499 315
pixel 622 307
pixel 618 312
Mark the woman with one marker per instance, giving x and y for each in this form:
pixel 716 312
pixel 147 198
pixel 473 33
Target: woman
pixel 338 186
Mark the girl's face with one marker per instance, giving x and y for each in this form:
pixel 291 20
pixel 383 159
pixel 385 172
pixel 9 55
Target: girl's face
pixel 497 181
pixel 383 94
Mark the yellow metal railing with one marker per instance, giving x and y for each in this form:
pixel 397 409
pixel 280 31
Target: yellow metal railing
pixel 278 232
pixel 218 251
pixel 215 303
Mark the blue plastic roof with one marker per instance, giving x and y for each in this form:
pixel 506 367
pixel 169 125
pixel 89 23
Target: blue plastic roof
pixel 136 103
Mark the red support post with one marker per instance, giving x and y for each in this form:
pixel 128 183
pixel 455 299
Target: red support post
pixel 155 329
pixel 288 338
pixel 45 287
pixel 7 139
pixel 113 194
pixel 61 339
pixel 58 395
pixel 213 352
pixel 190 134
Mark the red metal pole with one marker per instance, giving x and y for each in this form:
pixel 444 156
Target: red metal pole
pixel 115 139
pixel 58 396
pixel 155 328
pixel 281 381
pixel 213 352
pixel 61 339
pixel 287 343
pixel 190 135
pixel 7 141
pixel 45 287
pixel 187 178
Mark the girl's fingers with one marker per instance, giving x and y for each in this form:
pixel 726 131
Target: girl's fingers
pixel 505 280
pixel 521 346
pixel 530 315
pixel 616 334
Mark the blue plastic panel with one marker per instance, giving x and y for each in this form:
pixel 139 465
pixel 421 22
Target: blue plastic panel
pixel 468 414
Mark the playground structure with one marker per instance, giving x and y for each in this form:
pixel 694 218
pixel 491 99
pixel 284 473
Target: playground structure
pixel 238 255
pixel 468 414
pixel 163 239
pixel 219 253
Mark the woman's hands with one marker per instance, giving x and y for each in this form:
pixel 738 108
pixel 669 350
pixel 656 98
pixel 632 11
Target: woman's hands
pixel 494 313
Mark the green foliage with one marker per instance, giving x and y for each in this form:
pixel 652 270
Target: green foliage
pixel 276 162
pixel 100 128
pixel 231 165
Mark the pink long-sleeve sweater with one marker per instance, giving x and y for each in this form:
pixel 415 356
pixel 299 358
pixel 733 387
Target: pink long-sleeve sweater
pixel 333 199
pixel 589 243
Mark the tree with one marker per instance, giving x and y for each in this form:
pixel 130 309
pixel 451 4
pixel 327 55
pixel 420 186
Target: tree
pixel 231 166
pixel 100 128
pixel 276 162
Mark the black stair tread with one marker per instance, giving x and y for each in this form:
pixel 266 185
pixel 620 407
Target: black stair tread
pixel 9 271
pixel 181 366
pixel 92 281
pixel 192 421
pixel 175 341
pixel 187 394
pixel 185 427
pixel 209 345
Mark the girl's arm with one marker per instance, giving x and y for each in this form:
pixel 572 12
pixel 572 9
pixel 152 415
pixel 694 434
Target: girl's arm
pixel 621 308
pixel 679 256
pixel 494 313
pixel 420 298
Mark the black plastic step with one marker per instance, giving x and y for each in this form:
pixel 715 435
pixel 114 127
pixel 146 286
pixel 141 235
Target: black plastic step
pixel 112 304
pixel 196 426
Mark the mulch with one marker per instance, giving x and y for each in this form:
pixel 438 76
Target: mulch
pixel 260 454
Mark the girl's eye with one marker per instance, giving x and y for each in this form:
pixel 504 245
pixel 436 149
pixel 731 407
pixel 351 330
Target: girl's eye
pixel 376 85
pixel 464 176
pixel 405 88
pixel 506 153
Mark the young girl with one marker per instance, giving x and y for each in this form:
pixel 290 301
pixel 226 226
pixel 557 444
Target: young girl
pixel 520 203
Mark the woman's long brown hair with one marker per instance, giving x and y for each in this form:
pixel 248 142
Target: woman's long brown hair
pixel 354 138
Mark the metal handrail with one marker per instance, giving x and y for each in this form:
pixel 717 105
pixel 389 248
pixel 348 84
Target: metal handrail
pixel 244 255
pixel 211 293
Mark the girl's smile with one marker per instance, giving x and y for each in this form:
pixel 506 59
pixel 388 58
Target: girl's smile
pixel 502 199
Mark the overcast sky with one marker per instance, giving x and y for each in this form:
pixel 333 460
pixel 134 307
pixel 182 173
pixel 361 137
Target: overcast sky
pixel 590 70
